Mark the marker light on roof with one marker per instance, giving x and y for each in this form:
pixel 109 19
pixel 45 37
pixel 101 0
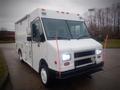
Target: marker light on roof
pixel 43 13
pixel 43 9
pixel 62 12
pixel 78 14
pixel 67 12
pixel 81 18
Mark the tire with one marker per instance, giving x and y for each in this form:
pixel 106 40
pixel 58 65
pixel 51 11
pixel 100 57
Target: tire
pixel 20 55
pixel 89 76
pixel 45 76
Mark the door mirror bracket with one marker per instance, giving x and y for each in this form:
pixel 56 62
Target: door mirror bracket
pixel 42 38
pixel 29 38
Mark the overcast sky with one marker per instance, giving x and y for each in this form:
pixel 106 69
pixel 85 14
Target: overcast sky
pixel 13 10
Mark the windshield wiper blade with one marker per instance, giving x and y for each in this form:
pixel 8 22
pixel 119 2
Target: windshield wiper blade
pixel 84 36
pixel 60 37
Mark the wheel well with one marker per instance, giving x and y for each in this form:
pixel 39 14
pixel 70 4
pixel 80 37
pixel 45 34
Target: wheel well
pixel 42 62
pixel 19 51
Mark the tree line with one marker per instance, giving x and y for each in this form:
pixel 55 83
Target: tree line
pixel 104 21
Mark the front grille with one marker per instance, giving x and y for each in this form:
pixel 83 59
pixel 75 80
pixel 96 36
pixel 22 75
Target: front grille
pixel 83 61
pixel 82 54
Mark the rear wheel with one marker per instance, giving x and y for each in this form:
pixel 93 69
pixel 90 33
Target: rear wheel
pixel 20 55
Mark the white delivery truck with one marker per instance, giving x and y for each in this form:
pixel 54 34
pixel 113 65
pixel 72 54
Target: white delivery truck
pixel 57 45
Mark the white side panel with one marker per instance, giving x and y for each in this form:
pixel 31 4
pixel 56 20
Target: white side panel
pixel 39 50
pixel 21 36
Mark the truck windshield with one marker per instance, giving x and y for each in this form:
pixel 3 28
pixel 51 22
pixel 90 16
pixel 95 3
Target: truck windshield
pixel 64 29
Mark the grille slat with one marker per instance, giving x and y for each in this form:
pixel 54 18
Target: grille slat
pixel 82 54
pixel 83 61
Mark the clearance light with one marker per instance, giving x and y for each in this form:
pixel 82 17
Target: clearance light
pixel 43 9
pixel 43 13
pixel 57 11
pixel 80 17
pixel 62 12
pixel 67 13
pixel 78 14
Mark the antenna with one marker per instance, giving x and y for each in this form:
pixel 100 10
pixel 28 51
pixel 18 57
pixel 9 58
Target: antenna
pixel 58 54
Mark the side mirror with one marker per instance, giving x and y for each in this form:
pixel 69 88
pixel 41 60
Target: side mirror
pixel 29 38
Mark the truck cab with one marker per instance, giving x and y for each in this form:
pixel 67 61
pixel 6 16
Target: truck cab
pixel 57 45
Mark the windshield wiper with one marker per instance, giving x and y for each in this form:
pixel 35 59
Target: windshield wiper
pixel 83 36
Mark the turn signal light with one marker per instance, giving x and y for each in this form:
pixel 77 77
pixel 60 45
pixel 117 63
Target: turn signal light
pixel 66 63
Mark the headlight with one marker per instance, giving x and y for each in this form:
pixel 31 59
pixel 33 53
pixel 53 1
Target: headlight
pixel 98 51
pixel 66 57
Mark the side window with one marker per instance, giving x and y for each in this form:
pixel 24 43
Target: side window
pixel 37 31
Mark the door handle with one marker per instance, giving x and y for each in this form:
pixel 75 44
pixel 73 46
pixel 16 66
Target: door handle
pixel 38 44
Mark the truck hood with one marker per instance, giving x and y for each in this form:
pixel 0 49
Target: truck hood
pixel 75 44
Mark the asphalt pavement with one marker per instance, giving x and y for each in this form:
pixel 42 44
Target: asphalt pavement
pixel 22 77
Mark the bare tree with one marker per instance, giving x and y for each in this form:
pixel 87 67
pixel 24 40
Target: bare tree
pixel 105 21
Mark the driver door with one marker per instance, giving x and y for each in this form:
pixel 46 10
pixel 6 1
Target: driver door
pixel 38 42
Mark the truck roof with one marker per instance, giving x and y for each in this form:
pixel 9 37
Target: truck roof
pixel 45 13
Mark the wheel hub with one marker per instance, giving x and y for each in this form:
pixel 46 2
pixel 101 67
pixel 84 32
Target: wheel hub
pixel 43 75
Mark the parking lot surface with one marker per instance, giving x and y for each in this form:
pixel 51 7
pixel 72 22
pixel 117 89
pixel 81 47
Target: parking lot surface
pixel 22 77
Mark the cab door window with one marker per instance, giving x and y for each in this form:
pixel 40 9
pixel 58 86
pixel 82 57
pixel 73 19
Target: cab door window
pixel 37 31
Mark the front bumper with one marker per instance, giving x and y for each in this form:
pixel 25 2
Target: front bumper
pixel 89 69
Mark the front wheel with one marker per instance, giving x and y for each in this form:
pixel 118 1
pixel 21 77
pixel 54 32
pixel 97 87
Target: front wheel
pixel 45 76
